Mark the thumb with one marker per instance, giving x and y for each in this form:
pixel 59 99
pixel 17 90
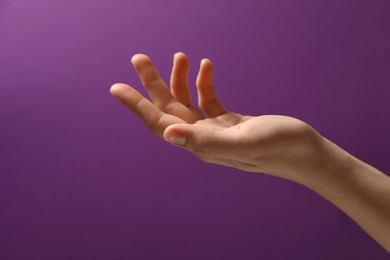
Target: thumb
pixel 201 140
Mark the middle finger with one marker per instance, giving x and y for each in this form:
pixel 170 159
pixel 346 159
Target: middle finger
pixel 152 81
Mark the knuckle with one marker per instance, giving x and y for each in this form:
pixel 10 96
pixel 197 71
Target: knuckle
pixel 157 126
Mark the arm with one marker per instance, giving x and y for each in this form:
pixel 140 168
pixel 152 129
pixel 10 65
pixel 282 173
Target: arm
pixel 277 145
pixel 356 188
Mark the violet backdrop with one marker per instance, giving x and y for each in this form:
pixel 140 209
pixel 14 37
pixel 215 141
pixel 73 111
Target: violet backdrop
pixel 82 178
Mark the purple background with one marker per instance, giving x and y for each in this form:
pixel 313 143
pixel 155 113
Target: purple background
pixel 82 178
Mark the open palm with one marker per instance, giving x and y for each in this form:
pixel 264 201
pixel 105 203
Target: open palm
pixel 262 143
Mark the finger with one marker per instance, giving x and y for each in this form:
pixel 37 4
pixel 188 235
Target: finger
pixel 152 81
pixel 213 145
pixel 203 141
pixel 179 79
pixel 207 98
pixel 152 116
pixel 217 146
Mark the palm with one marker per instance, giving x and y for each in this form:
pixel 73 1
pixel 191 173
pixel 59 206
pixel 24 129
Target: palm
pixel 238 141
pixel 174 105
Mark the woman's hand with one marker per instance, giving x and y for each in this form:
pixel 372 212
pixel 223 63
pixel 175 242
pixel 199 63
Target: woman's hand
pixel 278 145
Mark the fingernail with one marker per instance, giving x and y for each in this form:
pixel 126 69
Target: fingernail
pixel 177 139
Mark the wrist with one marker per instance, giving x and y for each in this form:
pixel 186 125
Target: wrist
pixel 329 165
pixel 356 188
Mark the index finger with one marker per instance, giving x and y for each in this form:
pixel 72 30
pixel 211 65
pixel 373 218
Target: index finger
pixel 155 119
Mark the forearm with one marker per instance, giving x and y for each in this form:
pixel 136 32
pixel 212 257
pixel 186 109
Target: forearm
pixel 356 188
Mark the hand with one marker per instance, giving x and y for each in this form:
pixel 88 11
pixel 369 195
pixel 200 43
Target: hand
pixel 278 145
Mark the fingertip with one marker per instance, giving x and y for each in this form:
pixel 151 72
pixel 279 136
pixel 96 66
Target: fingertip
pixel 206 61
pixel 174 137
pixel 180 54
pixel 206 65
pixel 205 75
pixel 180 58
pixel 173 128
pixel 167 132
pixel 139 57
pixel 118 88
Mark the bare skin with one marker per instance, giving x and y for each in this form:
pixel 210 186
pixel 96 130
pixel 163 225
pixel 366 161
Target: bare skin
pixel 277 145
